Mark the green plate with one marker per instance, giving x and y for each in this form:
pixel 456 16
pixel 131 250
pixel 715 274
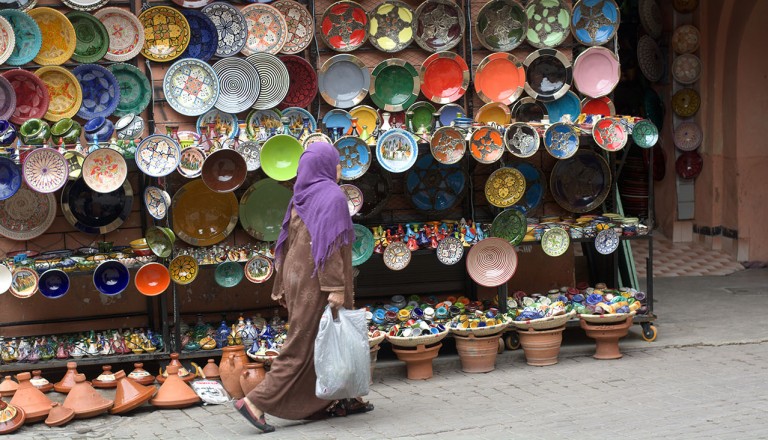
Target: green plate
pixel 135 91
pixel 229 274
pixel 511 225
pixel 262 209
pixel 280 157
pixel 92 37
pixel 645 134
pixel 395 85
pixel 362 249
pixel 420 114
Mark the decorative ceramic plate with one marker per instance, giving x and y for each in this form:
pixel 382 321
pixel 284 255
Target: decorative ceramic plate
pixel 494 113
pixel 435 187
pixel 449 112
pixel 59 39
pixel 269 120
pixel 549 23
pixel 27 214
pixel 228 274
pixel 75 161
pixel 111 277
pixel 688 136
pixel 45 170
pixel 92 37
pixel 391 26
pixel 191 87
pixel 301 25
pixel 501 25
pixel 582 183
pixel 158 155
pixel 607 241
pixel 686 68
pixel 362 249
pixel 492 262
pixel 645 134
pixel 64 91
pixel 598 106
pixel 610 134
pixel 396 150
pixel 251 152
pixel 567 106
pixel 296 117
pixel 280 156
pixel 511 225
pixel 420 117
pixel 238 88
pixel 486 145
pixel 449 251
pixel 27 36
pixel 500 78
pixel 534 187
pixel 101 91
pixel 355 156
pixel 595 22
pixel 338 118
pixel 686 102
pixel 24 282
pixel 7 40
pixel 561 140
pixel 258 269
pixel 650 17
pixel 183 269
pixel 157 201
pixel 315 137
pixel 528 110
pixel 650 59
pixel 10 178
pixel 262 209
pixel 689 165
pixel 302 88
pixel 344 81
pixel 31 95
pixel 395 85
pixel 354 198
pixel 596 72
pixel 54 283
pixel 397 256
pixel 166 33
pixel 439 25
pixel 85 5
pixel 504 187
pixel 226 123
pixel 104 170
pixel 231 27
pixel 126 33
pixel 685 6
pixel 135 90
pixel 448 145
pixel 96 213
pixel 366 116
pixel 196 4
pixel 267 29
pixel 548 74
pixel 444 77
pixel 344 26
pixel 685 39
pixel 204 39
pixel 555 241
pixel 203 217
pixel 522 140
pixel 273 78
pixel 191 162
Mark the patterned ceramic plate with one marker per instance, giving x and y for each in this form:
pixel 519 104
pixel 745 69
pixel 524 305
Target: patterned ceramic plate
pixel 101 91
pixel 688 136
pixel 344 26
pixel 10 178
pixel 450 251
pixel 493 113
pixel 645 134
pixel 59 39
pixel 500 78
pixel 651 18
pixel 600 106
pixel 191 162
pixel 231 26
pixel 686 68
pixel 92 37
pixel 301 25
pixel 391 26
pixel 269 120
pixel 126 33
pixel 610 134
pixel 225 123
pixel 166 33
pixel 492 262
pixel 595 22
pixel 362 249
pixel 504 187
pixel 135 90
pixel 85 5
pixel 439 25
pixel 355 157
pixel 511 225
pixel 191 87
pixel 96 213
pixel 501 25
pixel 344 81
pixel 27 36
pixel 650 59
pixel 251 152
pixel 396 150
pixel 302 88
pixel 296 117
pixel 75 161
pixel 582 183
pixel 338 119
pixel 397 256
pixel 32 96
pixel 567 106
pixel 64 90
pixel 27 214
pixel 157 201
pixel 596 72
pixel 104 170
pixel 448 145
pixel 522 140
pixel 444 77
pixel 395 85
pixel 549 23
pixel 273 77
pixel 686 102
pixel 158 155
pixel 183 269
pixel 486 145
pixel 555 241
pixel 204 39
pixel 561 140
pixel 435 187
pixel 7 40
pixel 45 170
pixel 354 198
pixel 689 165
pixel 262 209
pixel 238 84
pixel 685 39
pixel 258 269
pixel 24 282
pixel 607 241
pixel 548 74
pixel 535 186
pixel 267 29
pixel 315 137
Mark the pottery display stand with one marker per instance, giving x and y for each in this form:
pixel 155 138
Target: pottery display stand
pixel 477 353
pixel 607 338
pixel 541 347
pixel 418 361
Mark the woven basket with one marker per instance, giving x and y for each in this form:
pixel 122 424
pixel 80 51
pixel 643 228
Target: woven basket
pixel 372 342
pixel 608 318
pixel 261 358
pixel 480 331
pixel 547 323
pixel 414 341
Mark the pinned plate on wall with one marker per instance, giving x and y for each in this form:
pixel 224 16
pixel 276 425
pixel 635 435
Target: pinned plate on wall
pixel 396 150
pixel 158 155
pixel 435 187
pixel 511 225
pixel 135 90
pixel 504 187
pixel 395 85
pixel 26 214
pixel 7 40
pixel 686 68
pixel 689 165
pixel 258 269
pixel 444 77
pixel 93 212
pixel 355 156
pixel 420 116
pixel 344 81
pixel 439 25
pixel 610 134
pixel 8 106
pixel 157 201
pixel 501 25
pixel 650 59
pixel 27 37
pixel 685 39
pixel 31 95
pixel 45 170
pixel 391 26
pixel 296 117
pixel 101 91
pixel 231 27
pixel 492 262
pixel 204 39
pixel 486 145
pixel 301 26
pixel 183 269
pixel 494 112
pixel 338 118
pixel 397 256
pixel 449 251
pixel 448 145
pixel 266 27
pixel 191 87
pixel 555 241
pixel 64 91
pixel 260 119
pixel 262 209
pixel 567 105
pixel 535 185
pixel 92 37
pixel 561 140
pixel 226 123
pixel 686 102
pixel 367 116
pixel 500 78
pixel 596 72
pixel 688 136
pixel 449 112
pixel 581 183
pixel 598 106
pixel 273 78
pixel 595 22
pixel 362 249
pixel 354 198
pixel 528 110
pixel 10 178
pixel 24 282
pixel 607 241
pixel 111 277
pixel 548 74
pixel 651 18
pixel 549 23
pixel 314 138
pixel 522 140
pixel 85 5
pixel 645 134
pixel 251 152
pixel 166 33
pixel 280 156
pixel 59 39
pixel 238 84
pixel 126 33
pixel 344 26
pixel 203 217
pixel 302 88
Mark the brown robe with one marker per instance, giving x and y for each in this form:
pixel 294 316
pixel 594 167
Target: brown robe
pixel 288 391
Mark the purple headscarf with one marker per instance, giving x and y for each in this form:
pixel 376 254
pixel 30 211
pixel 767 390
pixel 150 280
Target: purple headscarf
pixel 320 204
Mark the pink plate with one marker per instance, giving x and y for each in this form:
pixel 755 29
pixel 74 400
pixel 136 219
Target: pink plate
pixel 688 136
pixel 596 72
pixel 105 170
pixel 492 262
pixel 32 96
pixel 45 170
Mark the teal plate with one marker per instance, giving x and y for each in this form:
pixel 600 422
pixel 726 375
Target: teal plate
pixel 645 134
pixel 29 39
pixel 229 274
pixel 362 249
pixel 135 90
pixel 511 225
pixel 262 209
pixel 568 104
pixel 92 37
pixel 395 85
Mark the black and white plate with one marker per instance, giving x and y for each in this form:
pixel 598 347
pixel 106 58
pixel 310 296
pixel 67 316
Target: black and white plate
pixel 230 25
pixel 239 84
pixel 273 78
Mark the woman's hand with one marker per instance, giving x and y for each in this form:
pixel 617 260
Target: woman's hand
pixel 336 299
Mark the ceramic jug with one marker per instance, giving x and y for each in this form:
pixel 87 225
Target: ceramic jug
pixel 233 360
pixel 252 375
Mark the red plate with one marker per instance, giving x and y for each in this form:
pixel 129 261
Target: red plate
pixel 444 77
pixel 303 84
pixel 344 26
pixel 689 164
pixel 500 78
pixel 609 134
pixel 31 95
pixel 598 106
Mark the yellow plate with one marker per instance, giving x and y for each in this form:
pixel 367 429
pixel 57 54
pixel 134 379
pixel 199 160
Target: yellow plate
pixel 505 187
pixel 64 89
pixel 166 33
pixel 495 112
pixel 59 38
pixel 183 269
pixel 366 116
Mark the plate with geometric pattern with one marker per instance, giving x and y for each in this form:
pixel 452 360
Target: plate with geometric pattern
pixel 191 87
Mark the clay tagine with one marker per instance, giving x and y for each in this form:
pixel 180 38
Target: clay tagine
pixel 211 370
pixel 85 400
pixel 35 404
pixel 8 387
pixel 130 395
pixel 39 382
pixel 11 418
pixel 68 381
pixel 140 375
pixel 59 415
pixel 106 379
pixel 175 393
pixel 184 374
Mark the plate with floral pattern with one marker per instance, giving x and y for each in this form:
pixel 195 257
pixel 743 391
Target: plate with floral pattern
pixel 686 39
pixel 686 102
pixel 607 241
pixel 204 39
pixel 259 269
pixel 449 251
pixel 522 139
pixel 166 33
pixel 391 26
pixel 505 187
pixel 555 241
pixel 344 26
pixel 549 23
pixel 301 25
pixel 104 170
pixel 126 33
pixel 31 95
pixel 7 40
pixel 448 145
pixel 501 25
pixel 191 87
pixel 688 136
pixel 561 140
pixel 64 90
pixel 439 25
pixel 157 202
pixel 27 214
pixel 511 225
pixel 267 29
pixel 686 68
pixel 27 36
pixel 158 155
pixel 610 134
pixel 362 249
pixel 59 39
pixel 101 91
pixel 354 198
pixel 92 37
pixel 645 134
pixel 595 22
pixel 45 170
pixel 396 150
pixel 231 27
pixel 486 144
pixel 355 156
pixel 183 269
pixel 397 256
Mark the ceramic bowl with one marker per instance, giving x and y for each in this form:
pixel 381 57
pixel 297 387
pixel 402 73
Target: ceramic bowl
pixel 34 132
pixel 5 278
pixel 7 132
pixel 54 283
pixel 224 171
pixel 160 240
pixel 111 277
pixel 152 279
pixel 228 274
pixel 129 126
pixel 101 127
pixel 67 130
pixel 183 269
pixel 140 243
pixel 280 157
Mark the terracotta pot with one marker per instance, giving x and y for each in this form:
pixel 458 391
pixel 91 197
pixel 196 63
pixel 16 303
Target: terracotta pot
pixel 11 418
pixel 39 382
pixel 140 375
pixel 252 375
pixel 607 338
pixel 541 347
pixel 8 387
pixel 233 360
pixel 85 400
pixel 211 370
pixel 35 404
pixel 477 354
pixel 130 395
pixel 184 374
pixel 106 379
pixel 59 415
pixel 418 362
pixel 374 355
pixel 175 393
pixel 68 381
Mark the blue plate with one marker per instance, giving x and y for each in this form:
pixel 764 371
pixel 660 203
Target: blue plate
pixel 101 91
pixel 297 116
pixel 29 39
pixel 204 39
pixel 355 157
pixel 449 112
pixel 10 178
pixel 433 186
pixel 396 150
pixel 111 277
pixel 338 118
pixel 561 140
pixel 568 104
pixel 534 187
pixel 54 283
pixel 595 22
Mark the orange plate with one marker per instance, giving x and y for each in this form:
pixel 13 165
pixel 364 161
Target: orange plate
pixel 500 78
pixel 444 77
pixel 152 279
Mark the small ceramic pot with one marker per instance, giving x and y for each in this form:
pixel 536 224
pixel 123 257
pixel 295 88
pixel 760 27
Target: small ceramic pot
pixel 7 132
pixel 67 130
pixel 129 126
pixel 101 127
pixel 34 132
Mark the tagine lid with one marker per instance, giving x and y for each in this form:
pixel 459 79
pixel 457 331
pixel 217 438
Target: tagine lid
pixel 68 381
pixel 59 415
pixel 35 404
pixel 8 387
pixel 130 394
pixel 174 393
pixel 11 417
pixel 106 379
pixel 85 400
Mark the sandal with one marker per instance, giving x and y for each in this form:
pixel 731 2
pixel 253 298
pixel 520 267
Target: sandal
pixel 258 422
pixel 357 406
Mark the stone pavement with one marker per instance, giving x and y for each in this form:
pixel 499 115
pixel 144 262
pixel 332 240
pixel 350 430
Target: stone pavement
pixel 703 378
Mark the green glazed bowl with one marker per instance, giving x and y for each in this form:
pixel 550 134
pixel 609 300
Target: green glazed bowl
pixel 280 157
pixel 228 274
pixel 160 241
pixel 34 132
pixel 67 130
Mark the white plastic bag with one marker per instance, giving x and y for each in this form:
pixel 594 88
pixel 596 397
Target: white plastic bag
pixel 342 361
